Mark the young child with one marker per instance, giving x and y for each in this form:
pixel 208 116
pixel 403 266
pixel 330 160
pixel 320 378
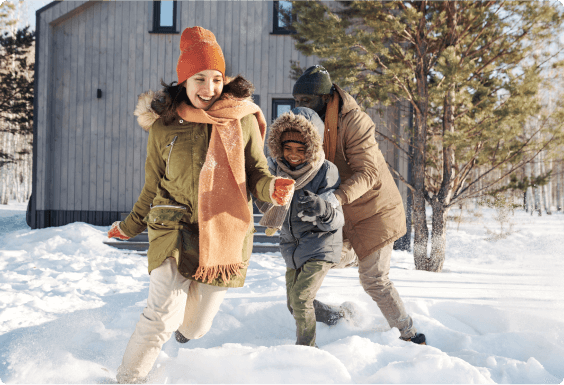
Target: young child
pixel 310 225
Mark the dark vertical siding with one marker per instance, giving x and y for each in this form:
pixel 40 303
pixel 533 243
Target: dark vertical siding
pixel 95 150
pixel 228 38
pixel 56 153
pixel 104 110
pixel 42 87
pixel 84 102
pixel 264 55
pixel 219 13
pixel 72 107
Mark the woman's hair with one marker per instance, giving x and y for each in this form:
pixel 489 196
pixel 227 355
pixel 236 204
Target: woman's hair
pixel 172 95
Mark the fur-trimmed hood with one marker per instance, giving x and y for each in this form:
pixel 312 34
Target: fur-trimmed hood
pixel 304 120
pixel 233 88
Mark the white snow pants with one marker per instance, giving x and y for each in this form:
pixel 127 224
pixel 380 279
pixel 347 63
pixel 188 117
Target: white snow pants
pixel 174 303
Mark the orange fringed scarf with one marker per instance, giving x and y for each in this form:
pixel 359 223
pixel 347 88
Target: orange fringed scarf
pixel 223 214
pixel 331 121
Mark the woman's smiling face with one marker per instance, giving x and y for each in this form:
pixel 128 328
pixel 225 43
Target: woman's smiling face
pixel 204 88
pixel 294 153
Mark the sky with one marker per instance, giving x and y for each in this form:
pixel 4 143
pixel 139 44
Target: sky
pixel 27 9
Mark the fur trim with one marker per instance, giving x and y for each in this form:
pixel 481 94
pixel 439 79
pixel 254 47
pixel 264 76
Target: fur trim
pixel 145 114
pixel 291 122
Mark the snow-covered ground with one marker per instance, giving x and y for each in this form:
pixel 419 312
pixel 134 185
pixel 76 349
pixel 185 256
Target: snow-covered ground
pixel 69 303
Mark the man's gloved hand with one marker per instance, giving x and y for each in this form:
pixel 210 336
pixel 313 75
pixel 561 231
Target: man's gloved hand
pixel 115 232
pixel 283 190
pixel 311 205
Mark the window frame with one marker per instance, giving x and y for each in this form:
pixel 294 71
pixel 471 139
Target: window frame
pixel 280 102
pixel 276 29
pixel 157 28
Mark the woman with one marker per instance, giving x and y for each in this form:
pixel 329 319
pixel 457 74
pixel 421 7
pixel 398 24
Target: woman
pixel 204 158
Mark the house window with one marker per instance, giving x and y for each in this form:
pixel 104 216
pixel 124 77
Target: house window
pixel 280 27
pixel 280 106
pixel 164 17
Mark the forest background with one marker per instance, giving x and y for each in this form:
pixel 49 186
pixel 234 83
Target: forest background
pixel 17 60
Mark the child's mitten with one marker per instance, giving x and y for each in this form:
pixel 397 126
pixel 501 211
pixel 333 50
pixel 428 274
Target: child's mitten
pixel 115 232
pixel 311 205
pixel 283 190
pixel 305 218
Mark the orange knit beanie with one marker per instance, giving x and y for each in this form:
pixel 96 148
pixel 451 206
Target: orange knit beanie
pixel 199 51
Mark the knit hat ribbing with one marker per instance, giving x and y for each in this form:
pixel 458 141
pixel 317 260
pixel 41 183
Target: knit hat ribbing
pixel 314 81
pixel 199 51
pixel 292 136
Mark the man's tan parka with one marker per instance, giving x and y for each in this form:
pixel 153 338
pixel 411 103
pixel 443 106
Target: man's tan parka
pixel 372 204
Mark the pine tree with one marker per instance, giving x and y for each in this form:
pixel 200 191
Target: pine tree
pixel 471 73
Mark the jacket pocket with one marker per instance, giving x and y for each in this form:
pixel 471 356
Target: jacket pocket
pixel 171 145
pixel 165 215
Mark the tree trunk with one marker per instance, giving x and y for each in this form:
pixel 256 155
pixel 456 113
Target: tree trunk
pixel 550 200
pixel 536 192
pixel 559 194
pixel 438 237
pixel 4 171
pixel 420 229
pixel 421 232
pixel 16 185
pixel 529 191
pixel 439 202
pixel 544 189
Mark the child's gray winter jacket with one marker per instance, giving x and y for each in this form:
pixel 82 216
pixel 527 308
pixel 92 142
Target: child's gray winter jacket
pixel 301 241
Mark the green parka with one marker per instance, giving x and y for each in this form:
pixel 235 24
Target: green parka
pixel 168 203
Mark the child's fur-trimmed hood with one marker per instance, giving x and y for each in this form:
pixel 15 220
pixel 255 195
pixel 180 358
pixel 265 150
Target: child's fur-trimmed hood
pixel 291 121
pixel 236 88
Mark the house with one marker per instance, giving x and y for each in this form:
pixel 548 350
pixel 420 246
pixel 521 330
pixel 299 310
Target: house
pixel 93 59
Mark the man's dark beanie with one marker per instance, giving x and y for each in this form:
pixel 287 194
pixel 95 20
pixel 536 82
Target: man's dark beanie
pixel 314 81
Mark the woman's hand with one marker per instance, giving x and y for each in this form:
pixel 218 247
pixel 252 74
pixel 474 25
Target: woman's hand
pixel 115 232
pixel 283 190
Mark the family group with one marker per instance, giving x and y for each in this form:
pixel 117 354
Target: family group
pixel 325 188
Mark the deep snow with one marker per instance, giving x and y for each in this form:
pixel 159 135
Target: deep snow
pixel 69 303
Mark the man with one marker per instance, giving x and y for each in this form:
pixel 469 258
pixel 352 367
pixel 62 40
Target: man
pixel 372 204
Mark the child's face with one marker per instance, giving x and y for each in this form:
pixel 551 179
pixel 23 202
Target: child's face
pixel 294 153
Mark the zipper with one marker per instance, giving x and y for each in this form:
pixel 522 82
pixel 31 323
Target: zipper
pixel 171 145
pixel 169 206
pixel 296 241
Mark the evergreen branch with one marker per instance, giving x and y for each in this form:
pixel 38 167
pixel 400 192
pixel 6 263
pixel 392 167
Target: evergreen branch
pixel 398 82
pixel 508 159
pixel 512 169
pixel 400 177
pixel 395 144
pixel 482 30
pixel 474 105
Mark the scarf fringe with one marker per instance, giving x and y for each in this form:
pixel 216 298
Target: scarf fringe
pixel 209 273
